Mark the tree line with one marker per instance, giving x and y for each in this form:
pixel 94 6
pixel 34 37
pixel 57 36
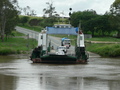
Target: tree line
pixel 49 17
pixel 101 25
pixel 91 22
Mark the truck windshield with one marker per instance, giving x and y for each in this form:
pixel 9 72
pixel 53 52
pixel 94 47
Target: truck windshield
pixel 67 41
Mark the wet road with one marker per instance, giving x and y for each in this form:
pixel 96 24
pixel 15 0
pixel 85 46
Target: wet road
pixel 19 73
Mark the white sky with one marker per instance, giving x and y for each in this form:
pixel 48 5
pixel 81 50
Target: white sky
pixel 100 6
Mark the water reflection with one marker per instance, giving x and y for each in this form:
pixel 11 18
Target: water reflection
pixel 22 74
pixel 7 82
pixel 56 83
pixel 4 59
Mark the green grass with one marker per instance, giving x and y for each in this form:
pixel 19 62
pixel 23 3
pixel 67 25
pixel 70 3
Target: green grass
pixel 15 33
pixel 105 50
pixel 110 39
pixel 15 45
pixel 34 28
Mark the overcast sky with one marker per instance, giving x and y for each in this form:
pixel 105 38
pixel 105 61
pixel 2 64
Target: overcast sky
pixel 100 6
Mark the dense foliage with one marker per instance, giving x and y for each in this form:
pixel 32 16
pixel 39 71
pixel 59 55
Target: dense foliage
pixel 93 23
pixel 32 22
pixel 115 11
pixel 8 17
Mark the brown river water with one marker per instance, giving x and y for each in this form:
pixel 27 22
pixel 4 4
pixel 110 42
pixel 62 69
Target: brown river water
pixel 19 73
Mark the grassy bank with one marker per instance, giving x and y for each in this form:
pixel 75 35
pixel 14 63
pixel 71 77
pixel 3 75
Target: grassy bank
pixel 34 28
pixel 17 44
pixel 105 50
pixel 104 39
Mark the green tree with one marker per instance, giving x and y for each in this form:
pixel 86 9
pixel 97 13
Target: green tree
pixel 82 16
pixel 27 11
pixel 50 15
pixel 50 10
pixel 90 26
pixel 24 20
pixel 103 26
pixel 6 7
pixel 47 22
pixel 85 18
pixel 92 22
pixel 12 20
pixel 115 11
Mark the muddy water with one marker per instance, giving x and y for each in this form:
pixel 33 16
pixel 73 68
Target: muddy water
pixel 22 74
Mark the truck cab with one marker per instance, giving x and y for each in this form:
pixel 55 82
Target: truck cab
pixel 66 42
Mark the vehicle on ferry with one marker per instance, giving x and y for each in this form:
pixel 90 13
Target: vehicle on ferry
pixel 66 42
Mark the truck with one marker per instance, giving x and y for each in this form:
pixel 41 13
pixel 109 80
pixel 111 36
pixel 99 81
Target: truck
pixel 66 42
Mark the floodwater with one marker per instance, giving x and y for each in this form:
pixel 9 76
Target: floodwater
pixel 19 73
